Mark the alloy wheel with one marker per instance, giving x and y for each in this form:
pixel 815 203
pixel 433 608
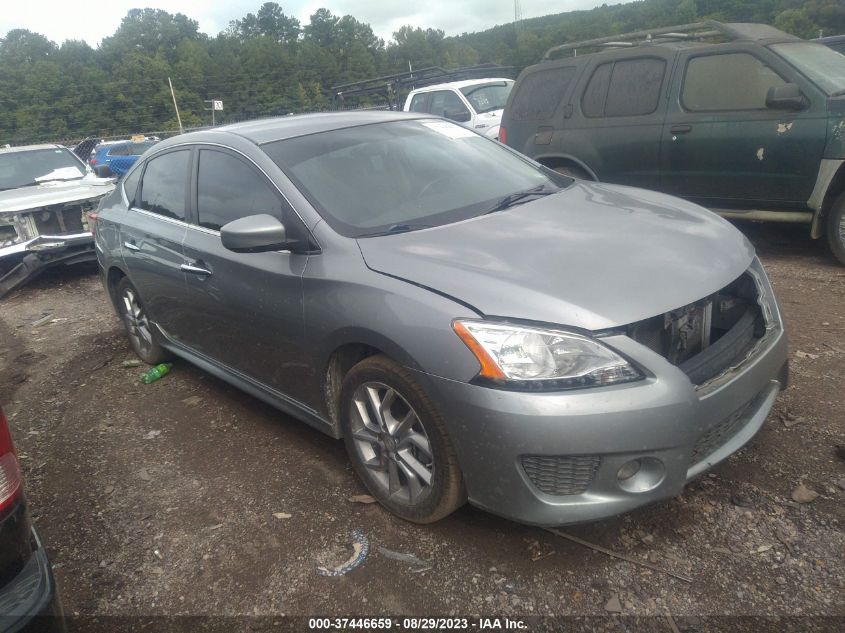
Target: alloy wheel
pixel 391 442
pixel 137 323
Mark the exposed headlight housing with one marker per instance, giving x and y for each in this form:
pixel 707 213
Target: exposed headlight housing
pixel 523 357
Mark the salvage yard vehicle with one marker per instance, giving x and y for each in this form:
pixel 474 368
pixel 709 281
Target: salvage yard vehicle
pixel 836 42
pixel 472 324
pixel 46 193
pixel 115 159
pixel 743 119
pixel 28 597
pixel 476 103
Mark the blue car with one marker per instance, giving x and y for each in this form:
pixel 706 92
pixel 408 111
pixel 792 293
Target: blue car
pixel 116 159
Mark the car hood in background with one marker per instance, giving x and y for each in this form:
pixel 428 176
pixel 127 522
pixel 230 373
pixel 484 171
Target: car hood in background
pixel 593 256
pixel 54 192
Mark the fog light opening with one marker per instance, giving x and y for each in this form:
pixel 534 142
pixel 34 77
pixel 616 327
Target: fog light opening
pixel 629 470
pixel 641 475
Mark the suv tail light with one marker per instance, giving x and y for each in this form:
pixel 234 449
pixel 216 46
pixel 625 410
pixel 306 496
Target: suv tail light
pixel 10 472
pixel 503 135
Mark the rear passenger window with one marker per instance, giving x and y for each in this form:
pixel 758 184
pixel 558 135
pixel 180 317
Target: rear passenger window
pixel 130 185
pixel 731 81
pixel 228 189
pixel 165 184
pixel 629 87
pixel 540 93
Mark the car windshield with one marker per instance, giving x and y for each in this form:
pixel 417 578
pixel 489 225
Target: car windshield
pixel 823 66
pixel 30 167
pixel 405 175
pixel 488 97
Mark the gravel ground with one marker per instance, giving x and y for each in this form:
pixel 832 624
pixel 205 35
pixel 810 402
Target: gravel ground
pixel 189 497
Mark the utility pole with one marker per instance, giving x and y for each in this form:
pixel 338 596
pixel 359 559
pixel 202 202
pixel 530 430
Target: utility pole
pixel 176 107
pixel 215 104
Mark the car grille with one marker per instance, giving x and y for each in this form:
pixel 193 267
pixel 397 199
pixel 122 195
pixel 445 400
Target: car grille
pixel 561 474
pixel 708 337
pixel 719 434
pixel 60 220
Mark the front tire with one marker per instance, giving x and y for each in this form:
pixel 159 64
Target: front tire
pixel 836 228
pixel 397 442
pixel 139 328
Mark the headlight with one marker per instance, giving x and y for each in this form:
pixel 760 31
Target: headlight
pixel 534 358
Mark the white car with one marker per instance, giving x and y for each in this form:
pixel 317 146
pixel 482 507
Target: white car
pixel 474 103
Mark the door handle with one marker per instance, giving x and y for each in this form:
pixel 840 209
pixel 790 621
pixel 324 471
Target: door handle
pixel 194 270
pixel 131 246
pixel 680 129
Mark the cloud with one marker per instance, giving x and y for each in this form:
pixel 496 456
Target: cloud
pixel 91 21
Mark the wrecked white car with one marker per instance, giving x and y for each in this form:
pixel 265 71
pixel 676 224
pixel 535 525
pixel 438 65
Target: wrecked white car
pixel 46 192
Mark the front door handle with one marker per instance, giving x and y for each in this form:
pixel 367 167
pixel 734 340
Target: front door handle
pixel 194 270
pixel 680 129
pixel 131 246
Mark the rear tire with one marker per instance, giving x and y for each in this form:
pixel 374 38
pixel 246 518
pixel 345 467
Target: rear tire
pixel 836 228
pixel 140 330
pixel 397 442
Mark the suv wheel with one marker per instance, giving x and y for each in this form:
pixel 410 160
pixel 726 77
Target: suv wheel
pixel 836 228
pixel 398 443
pixel 142 335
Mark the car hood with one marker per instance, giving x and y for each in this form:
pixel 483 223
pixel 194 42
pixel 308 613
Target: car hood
pixel 54 192
pixel 593 256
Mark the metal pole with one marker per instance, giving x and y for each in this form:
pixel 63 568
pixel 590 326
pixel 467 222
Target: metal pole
pixel 176 107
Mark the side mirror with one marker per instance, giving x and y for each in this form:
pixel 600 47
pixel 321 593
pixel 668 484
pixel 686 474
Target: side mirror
pixel 460 116
pixel 254 234
pixel 785 97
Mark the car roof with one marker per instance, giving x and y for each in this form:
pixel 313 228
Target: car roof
pixel 830 39
pixel 279 128
pixel 29 148
pixel 457 85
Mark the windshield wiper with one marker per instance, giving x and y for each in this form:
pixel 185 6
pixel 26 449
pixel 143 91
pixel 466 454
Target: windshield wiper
pixel 516 198
pixel 397 228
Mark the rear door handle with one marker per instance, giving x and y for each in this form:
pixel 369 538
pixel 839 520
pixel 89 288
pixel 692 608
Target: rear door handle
pixel 680 129
pixel 131 246
pixel 194 270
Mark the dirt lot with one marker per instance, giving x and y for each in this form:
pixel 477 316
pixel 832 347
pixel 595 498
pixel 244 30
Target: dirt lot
pixel 160 499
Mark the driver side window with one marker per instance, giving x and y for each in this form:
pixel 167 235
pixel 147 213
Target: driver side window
pixel 229 189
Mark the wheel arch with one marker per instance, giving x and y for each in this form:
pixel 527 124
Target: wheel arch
pixel 346 349
pixel 113 276
pixel 558 160
pixel 830 184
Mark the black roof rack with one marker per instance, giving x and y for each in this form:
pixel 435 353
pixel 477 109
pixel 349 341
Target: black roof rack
pixel 390 86
pixel 696 31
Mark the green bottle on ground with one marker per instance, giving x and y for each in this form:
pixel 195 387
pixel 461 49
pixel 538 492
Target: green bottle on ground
pixel 155 373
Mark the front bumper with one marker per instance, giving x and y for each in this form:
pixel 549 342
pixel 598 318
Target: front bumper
pixel 578 440
pixel 30 602
pixel 23 262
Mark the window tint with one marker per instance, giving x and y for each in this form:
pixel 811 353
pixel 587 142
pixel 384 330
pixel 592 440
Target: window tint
pixel 733 81
pixel 629 87
pixel 540 93
pixel 419 102
pixel 592 103
pixel 228 189
pixel 446 103
pixel 165 184
pixel 635 87
pixel 130 185
pixel 118 150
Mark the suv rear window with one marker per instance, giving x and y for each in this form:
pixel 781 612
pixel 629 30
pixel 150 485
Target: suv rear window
pixel 629 87
pixel 729 81
pixel 540 93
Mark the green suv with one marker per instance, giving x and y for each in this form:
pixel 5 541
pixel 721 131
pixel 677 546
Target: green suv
pixel 741 118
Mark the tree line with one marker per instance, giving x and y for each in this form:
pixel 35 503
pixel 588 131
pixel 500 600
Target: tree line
pixel 268 63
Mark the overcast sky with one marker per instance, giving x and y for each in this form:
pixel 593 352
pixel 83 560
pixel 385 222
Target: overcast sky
pixel 92 20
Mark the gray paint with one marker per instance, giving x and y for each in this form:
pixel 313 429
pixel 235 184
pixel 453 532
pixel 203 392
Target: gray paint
pixel 591 257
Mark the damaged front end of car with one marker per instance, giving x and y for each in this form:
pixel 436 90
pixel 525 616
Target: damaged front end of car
pixel 53 231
